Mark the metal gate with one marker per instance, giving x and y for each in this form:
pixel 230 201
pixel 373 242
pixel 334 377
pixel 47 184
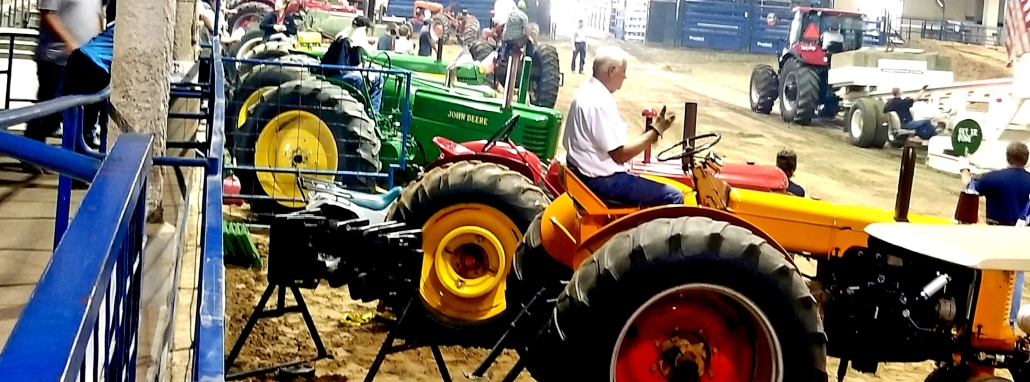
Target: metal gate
pixel 715 24
pixel 662 22
pixel 770 25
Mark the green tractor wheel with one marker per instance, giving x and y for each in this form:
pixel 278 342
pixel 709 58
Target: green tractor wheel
pixel 306 124
pixel 545 77
pixel 268 50
pixel 260 80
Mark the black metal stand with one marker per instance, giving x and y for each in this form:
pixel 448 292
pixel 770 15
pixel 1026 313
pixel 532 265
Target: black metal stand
pixel 389 348
pixel 280 310
pixel 502 343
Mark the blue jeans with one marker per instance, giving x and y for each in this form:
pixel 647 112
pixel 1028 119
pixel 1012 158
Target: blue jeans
pixel 357 80
pixel 924 129
pixel 628 189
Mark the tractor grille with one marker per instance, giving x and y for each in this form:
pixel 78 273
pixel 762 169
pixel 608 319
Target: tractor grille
pixel 538 139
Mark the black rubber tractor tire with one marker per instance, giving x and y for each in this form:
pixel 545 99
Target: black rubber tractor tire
pixel 533 269
pixel 805 80
pixel 469 182
pixel 545 77
pixel 867 131
pixel 232 68
pixel 765 86
pixel 250 8
pixel 448 28
pixel 357 139
pixel 269 51
pixel 469 30
pixel 480 49
pixel 637 264
pixel 262 76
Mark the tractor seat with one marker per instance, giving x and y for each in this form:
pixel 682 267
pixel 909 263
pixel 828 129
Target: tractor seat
pixel 376 202
pixel 591 203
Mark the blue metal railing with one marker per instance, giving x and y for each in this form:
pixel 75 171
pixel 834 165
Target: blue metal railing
pixel 82 319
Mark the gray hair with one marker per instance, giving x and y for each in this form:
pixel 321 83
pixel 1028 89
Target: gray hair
pixel 608 57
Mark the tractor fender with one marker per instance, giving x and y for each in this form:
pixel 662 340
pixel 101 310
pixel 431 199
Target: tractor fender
pixel 510 163
pixel 559 229
pixel 807 53
pixel 587 248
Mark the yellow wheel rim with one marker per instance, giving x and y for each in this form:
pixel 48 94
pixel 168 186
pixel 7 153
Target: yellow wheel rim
pixel 467 255
pixel 250 101
pixel 294 139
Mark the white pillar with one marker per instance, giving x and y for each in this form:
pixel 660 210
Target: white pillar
pixel 990 20
pixel 140 75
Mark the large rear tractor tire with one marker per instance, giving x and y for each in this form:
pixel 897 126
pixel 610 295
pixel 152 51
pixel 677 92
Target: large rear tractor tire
pixel 764 88
pixel 469 30
pixel 448 28
pixel 307 124
pixel 713 297
pixel 260 80
pixel 799 93
pixel 472 215
pixel 545 77
pixel 864 124
pixel 247 14
pixel 480 49
pixel 269 50
pixel 533 269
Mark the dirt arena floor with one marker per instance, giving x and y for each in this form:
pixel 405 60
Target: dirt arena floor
pixel 829 168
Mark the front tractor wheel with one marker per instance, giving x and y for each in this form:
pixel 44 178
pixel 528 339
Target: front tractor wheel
pixel 799 93
pixel 864 124
pixel 306 124
pixel 688 299
pixel 473 215
pixel 764 85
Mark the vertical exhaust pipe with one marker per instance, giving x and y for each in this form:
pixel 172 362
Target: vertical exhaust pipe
pixel 905 179
pixel 514 63
pixel 689 130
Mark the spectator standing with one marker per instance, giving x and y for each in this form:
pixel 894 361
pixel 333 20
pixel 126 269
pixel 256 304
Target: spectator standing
pixel 579 41
pixel 515 32
pixel 386 41
pixel 1008 190
pixel 403 44
pixel 426 47
pixel 64 26
pixel 787 161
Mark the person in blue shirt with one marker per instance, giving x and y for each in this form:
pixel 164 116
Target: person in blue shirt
pixel 89 71
pixel 922 128
pixel 1008 190
pixel 426 43
pixel 787 161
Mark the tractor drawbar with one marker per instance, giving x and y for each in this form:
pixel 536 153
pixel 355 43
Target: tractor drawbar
pixel 905 179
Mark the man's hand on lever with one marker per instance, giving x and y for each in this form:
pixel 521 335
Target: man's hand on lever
pixel 637 145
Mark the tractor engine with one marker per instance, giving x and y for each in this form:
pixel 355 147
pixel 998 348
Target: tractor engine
pixel 887 304
pixel 332 243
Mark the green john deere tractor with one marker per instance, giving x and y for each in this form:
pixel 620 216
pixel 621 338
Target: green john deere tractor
pixel 298 118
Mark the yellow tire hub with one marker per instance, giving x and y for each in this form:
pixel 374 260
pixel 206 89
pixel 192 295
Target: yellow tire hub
pixel 294 140
pixel 251 100
pixel 467 250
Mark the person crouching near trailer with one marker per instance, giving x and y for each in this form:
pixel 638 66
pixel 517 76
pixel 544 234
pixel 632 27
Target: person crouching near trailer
pixel 917 130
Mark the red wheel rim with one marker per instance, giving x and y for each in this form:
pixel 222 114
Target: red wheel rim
pixel 701 332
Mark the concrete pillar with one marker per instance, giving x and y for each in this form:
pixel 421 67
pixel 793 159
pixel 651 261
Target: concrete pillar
pixel 990 19
pixel 183 48
pixel 140 74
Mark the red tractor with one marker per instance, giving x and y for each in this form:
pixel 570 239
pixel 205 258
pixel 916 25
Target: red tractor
pixel 501 150
pixel 801 85
pixel 461 25
pixel 248 12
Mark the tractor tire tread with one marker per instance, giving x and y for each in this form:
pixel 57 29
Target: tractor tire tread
pixel 764 78
pixel 248 8
pixel 808 94
pixel 546 76
pixel 355 133
pixel 469 31
pixel 664 253
pixel 260 77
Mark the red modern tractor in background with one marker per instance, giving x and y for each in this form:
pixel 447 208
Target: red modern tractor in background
pixel 801 85
pixel 459 24
pixel 244 13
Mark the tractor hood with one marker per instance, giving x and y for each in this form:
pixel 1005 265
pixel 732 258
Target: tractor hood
pixel 464 113
pixel 975 246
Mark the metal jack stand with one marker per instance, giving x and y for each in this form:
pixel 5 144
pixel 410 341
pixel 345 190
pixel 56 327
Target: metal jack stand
pixel 389 348
pixel 500 345
pixel 280 310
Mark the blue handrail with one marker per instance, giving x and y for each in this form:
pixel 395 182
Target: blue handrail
pixel 97 265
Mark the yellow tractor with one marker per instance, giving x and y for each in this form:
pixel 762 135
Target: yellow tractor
pixel 709 291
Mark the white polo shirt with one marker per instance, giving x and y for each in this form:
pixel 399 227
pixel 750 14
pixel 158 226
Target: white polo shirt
pixel 593 128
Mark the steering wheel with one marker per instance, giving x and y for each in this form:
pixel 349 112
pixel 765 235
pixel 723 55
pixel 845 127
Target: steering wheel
pixel 503 134
pixel 687 148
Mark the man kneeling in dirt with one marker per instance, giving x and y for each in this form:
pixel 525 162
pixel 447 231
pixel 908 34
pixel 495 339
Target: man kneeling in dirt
pixel 596 143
